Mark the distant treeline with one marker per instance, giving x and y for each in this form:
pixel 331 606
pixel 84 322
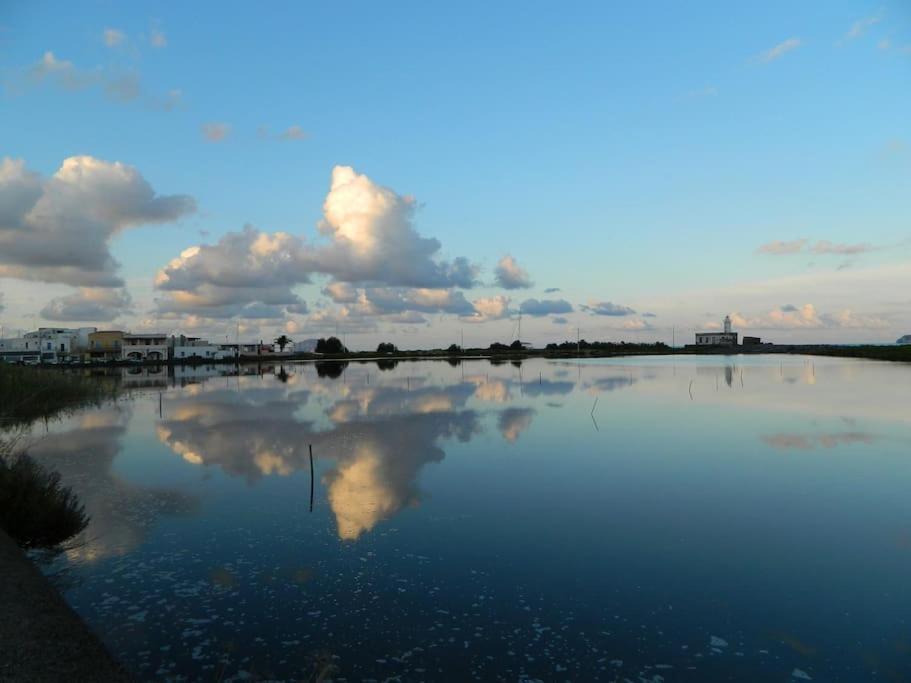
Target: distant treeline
pixel 874 352
pixel 606 346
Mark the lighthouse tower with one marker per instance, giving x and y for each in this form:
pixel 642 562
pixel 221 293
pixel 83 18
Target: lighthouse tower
pixel 727 324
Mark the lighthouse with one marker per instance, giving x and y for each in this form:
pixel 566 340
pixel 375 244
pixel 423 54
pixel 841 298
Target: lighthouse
pixel 726 338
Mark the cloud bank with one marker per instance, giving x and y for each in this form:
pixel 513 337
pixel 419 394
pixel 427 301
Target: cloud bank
pixel 377 262
pixel 58 229
pixel 89 304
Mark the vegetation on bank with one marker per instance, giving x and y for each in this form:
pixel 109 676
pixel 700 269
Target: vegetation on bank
pixel 330 345
pixel 28 393
pixel 35 509
pixel 871 351
pixel 615 347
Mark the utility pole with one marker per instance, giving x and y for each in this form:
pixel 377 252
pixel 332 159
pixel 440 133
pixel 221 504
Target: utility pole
pixel 578 342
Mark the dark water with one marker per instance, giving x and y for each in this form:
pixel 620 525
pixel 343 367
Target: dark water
pixel 657 519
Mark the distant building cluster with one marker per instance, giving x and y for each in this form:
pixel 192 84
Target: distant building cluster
pixel 89 344
pixel 726 338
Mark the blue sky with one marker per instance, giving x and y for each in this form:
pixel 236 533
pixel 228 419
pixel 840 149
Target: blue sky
pixel 640 155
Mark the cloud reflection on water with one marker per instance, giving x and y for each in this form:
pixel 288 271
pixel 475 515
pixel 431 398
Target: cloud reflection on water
pixel 83 449
pixel 373 432
pixel 380 439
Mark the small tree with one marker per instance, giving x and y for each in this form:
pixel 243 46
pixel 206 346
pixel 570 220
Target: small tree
pixel 283 341
pixel 330 345
pixel 386 347
pixel 454 348
pixel 516 345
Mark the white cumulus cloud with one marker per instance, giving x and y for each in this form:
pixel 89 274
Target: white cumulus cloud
pixel 373 240
pixel 248 274
pixel 510 275
pixel 58 229
pixel 378 263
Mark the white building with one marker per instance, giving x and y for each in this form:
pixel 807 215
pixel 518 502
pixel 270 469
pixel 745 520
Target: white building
pixel 726 338
pixel 151 346
pixel 47 344
pixel 185 348
pixel 19 349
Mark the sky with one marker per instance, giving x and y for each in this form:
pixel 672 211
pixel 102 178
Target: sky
pixel 422 173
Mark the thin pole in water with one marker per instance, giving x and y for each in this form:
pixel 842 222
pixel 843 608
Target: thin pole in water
pixel 311 477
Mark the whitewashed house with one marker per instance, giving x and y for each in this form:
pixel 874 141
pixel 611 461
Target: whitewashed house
pixel 186 348
pixel 57 344
pixel 19 350
pixel 142 347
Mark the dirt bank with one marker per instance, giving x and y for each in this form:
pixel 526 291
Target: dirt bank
pixel 41 637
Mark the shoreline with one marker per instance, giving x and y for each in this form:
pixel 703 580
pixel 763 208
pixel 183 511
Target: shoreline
pixel 869 351
pixel 41 637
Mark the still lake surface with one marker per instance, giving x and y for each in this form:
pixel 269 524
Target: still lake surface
pixel 743 518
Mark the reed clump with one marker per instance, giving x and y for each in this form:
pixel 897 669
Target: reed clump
pixel 36 511
pixel 29 393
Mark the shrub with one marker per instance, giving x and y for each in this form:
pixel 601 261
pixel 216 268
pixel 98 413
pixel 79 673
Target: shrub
pixel 330 345
pixel 35 510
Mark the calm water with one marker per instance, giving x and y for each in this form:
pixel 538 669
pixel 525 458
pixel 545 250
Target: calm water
pixel 675 519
